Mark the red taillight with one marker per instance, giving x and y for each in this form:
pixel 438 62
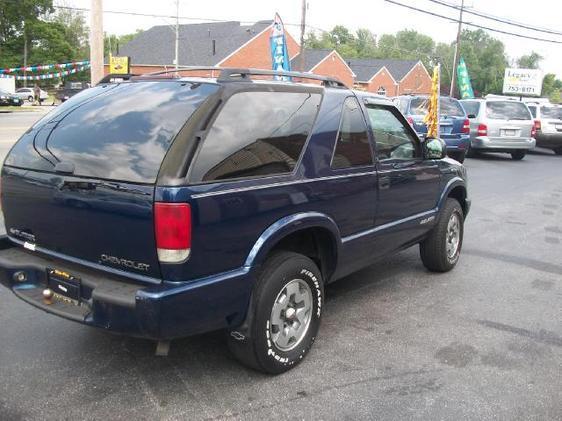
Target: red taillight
pixel 466 126
pixel 482 130
pixel 536 128
pixel 172 225
pixel 410 120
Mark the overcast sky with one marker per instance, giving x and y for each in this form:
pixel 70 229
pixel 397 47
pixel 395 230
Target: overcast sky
pixel 377 15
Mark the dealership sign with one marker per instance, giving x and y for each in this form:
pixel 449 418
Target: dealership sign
pixel 526 82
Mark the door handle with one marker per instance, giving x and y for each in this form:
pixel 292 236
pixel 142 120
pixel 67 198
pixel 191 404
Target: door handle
pixel 402 165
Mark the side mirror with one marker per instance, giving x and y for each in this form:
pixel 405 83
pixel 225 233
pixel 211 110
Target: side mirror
pixel 434 148
pixel 471 116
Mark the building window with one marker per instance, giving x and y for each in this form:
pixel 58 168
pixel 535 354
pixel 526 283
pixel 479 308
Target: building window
pixel 381 91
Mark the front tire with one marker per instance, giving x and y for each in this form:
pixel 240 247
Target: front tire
pixel 558 151
pixel 518 155
pixel 286 312
pixel 440 251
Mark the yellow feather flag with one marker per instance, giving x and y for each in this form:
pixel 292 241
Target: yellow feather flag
pixel 431 119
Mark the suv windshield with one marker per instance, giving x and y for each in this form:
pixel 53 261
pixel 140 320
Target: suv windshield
pixel 507 110
pixel 551 112
pixel 117 132
pixel 448 106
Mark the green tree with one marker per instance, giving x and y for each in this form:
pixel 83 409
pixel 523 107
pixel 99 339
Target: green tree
pixel 365 43
pixel 75 31
pixel 16 21
pixel 551 87
pixel 486 60
pixel 407 45
pixel 112 43
pixel 529 61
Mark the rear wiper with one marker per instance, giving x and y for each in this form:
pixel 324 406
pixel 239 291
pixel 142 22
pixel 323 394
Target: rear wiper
pixel 65 167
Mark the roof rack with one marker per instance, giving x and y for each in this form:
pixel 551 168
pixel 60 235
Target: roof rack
pixel 227 74
pixel 113 77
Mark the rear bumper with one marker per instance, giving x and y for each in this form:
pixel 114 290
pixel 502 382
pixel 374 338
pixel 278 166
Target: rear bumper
pixel 549 140
pixel 456 143
pixel 502 144
pixel 166 311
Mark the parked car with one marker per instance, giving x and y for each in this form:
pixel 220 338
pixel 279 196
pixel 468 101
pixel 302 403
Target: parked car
pixel 26 94
pixel 70 89
pixel 453 125
pixel 186 205
pixel 499 125
pixel 548 124
pixel 7 98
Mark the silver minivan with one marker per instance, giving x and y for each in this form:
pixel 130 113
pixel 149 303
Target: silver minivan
pixel 548 123
pixel 500 125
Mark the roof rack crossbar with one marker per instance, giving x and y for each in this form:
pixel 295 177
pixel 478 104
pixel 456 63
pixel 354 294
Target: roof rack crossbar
pixel 233 74
pixel 229 74
pixel 184 69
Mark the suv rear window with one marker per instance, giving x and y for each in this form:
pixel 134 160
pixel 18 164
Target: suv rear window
pixel 507 110
pixel 551 112
pixel 448 106
pixel 471 107
pixel 256 134
pixel 118 132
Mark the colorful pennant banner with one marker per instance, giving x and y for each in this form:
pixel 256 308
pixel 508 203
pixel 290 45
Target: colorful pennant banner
pixel 44 67
pixel 49 75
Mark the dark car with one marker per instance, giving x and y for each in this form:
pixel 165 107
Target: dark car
pixel 7 98
pixel 166 207
pixel 454 126
pixel 70 89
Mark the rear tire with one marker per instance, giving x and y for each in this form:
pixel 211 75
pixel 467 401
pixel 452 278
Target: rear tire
pixel 558 151
pixel 440 251
pixel 471 152
pixel 30 98
pixel 518 155
pixel 285 315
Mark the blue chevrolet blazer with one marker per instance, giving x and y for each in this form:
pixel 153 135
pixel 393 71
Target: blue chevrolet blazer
pixel 166 205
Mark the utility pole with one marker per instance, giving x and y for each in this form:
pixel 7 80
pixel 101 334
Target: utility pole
pixel 176 59
pixel 96 41
pixel 303 27
pixel 457 52
pixel 24 54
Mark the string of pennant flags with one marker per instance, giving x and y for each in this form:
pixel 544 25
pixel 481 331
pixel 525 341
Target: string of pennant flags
pixel 48 75
pixel 43 67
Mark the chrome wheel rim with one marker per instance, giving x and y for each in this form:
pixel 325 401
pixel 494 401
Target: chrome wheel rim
pixel 291 315
pixel 453 235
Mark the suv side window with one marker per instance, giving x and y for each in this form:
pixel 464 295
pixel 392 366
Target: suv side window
pixel 393 139
pixel 256 134
pixel 353 147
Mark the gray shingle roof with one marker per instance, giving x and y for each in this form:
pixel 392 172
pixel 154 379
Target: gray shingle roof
pixel 311 58
pixel 366 68
pixel 157 44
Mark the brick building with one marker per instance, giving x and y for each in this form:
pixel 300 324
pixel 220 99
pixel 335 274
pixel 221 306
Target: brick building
pixel 391 77
pixel 325 63
pixel 226 44
pixel 230 44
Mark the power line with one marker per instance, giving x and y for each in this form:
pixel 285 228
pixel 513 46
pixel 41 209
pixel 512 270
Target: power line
pixel 497 19
pixel 427 12
pixel 153 15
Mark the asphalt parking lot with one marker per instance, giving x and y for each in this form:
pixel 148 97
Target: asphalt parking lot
pixel 397 342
